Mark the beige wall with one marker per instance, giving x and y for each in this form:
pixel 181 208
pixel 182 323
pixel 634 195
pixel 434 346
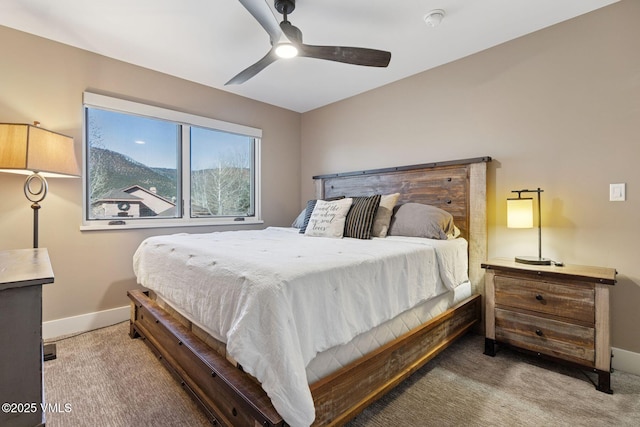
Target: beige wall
pixel 558 109
pixel 42 80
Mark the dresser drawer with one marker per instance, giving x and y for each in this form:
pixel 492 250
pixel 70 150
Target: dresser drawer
pixel 546 336
pixel 571 302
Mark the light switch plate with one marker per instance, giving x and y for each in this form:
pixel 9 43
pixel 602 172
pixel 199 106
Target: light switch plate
pixel 617 192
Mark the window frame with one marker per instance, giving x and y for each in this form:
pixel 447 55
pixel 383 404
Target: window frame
pixel 185 121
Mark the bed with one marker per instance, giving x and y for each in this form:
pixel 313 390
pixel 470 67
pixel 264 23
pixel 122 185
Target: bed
pixel 194 350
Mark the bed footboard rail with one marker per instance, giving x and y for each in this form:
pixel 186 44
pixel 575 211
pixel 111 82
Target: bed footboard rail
pixel 228 395
pixel 231 398
pixel 345 393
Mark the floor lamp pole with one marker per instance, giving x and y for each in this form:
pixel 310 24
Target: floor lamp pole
pixel 36 194
pixel 36 207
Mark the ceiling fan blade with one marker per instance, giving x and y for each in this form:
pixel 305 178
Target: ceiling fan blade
pixel 348 55
pixel 261 11
pixel 254 69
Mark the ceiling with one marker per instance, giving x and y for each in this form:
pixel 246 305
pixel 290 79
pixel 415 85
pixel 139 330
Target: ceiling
pixel 210 41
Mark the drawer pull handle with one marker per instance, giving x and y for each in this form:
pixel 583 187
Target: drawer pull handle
pixel 539 332
pixel 539 297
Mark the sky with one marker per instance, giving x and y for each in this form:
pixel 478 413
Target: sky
pixel 154 142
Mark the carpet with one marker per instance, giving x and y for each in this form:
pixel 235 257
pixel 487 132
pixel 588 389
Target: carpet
pixel 104 378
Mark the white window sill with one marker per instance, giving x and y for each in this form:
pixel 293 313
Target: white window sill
pixel 133 224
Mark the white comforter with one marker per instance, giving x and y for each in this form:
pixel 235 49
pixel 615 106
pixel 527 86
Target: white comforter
pixel 277 298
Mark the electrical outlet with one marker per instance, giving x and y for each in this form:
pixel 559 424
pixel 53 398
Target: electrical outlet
pixel 617 192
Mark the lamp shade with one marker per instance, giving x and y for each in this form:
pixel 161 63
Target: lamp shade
pixel 520 213
pixel 26 148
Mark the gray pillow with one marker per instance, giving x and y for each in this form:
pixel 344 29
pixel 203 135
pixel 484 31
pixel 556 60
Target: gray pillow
pixel 418 220
pixel 299 221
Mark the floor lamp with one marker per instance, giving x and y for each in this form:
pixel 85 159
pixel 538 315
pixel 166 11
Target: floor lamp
pixel 40 154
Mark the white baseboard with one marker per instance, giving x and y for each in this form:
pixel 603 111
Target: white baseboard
pixel 626 361
pixel 84 322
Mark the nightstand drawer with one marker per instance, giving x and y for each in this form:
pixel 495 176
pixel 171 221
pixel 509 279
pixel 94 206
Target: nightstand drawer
pixel 546 336
pixel 571 302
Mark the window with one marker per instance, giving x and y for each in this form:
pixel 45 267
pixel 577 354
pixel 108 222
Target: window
pixel 221 178
pixel 146 166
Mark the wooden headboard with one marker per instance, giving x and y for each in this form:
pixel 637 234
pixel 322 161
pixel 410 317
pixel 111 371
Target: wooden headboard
pixel 458 187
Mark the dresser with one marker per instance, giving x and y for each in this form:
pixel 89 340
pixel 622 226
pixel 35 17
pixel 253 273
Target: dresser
pixel 22 274
pixel 559 312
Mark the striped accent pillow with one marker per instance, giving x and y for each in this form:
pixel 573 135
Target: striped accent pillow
pixel 360 218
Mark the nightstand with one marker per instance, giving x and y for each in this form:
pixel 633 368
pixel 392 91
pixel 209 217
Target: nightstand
pixel 22 274
pixel 561 313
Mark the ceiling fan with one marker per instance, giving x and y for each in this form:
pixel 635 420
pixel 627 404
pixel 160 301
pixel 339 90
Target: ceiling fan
pixel 286 42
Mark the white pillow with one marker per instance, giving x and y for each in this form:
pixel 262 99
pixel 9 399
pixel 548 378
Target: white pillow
pixel 328 218
pixel 455 234
pixel 383 215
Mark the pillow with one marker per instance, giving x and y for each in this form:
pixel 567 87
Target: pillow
pixel 299 221
pixel 455 234
pixel 328 218
pixel 359 220
pixel 383 215
pixel 309 209
pixel 418 220
pixel 307 214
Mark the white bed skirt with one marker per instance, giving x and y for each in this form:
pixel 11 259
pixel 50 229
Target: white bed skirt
pixel 337 357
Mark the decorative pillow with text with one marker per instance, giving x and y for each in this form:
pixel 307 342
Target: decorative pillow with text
pixel 309 210
pixel 328 218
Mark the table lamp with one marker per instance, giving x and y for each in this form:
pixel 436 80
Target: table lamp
pixel 520 215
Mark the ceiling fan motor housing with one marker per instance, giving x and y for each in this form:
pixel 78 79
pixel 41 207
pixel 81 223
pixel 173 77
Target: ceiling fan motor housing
pixel 285 6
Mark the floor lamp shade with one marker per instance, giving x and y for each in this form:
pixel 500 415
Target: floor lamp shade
pixel 520 213
pixel 27 148
pixel 38 153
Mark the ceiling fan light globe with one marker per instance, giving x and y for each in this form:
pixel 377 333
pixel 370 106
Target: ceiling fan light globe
pixel 286 50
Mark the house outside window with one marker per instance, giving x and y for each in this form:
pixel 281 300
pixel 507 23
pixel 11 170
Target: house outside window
pixel 146 166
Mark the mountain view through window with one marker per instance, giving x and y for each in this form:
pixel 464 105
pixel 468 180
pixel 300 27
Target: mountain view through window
pixel 136 169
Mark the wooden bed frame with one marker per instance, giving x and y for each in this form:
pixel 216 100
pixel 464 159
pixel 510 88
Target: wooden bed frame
pixel 232 398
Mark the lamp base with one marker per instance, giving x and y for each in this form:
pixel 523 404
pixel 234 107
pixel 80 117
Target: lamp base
pixel 534 260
